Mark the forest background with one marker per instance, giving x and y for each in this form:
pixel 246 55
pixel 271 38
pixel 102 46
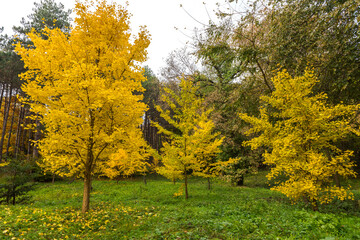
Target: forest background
pixel 233 63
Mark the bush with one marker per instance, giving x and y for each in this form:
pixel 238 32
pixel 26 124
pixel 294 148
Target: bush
pixel 16 181
pixel 236 171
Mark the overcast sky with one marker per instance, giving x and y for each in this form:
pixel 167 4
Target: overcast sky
pixel 160 16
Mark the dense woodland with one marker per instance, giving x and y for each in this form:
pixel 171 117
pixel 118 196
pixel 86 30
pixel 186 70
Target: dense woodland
pixel 274 87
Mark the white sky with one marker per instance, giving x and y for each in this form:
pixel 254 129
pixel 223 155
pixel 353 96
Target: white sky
pixel 160 16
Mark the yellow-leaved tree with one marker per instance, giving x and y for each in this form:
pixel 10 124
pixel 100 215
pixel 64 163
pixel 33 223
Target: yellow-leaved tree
pixel 85 86
pixel 301 130
pixel 192 144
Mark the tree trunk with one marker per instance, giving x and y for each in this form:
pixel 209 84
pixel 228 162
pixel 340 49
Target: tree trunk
pixel 89 164
pixel 36 138
pixel 240 181
pixel 2 94
pixel 186 187
pixel 11 126
pixel 5 119
pixel 23 134
pixel 337 180
pixel 208 183
pixel 86 196
pixel 29 143
pixel 18 132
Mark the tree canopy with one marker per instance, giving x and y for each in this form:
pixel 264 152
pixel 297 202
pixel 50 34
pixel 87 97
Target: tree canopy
pixel 192 145
pixel 83 86
pixel 301 130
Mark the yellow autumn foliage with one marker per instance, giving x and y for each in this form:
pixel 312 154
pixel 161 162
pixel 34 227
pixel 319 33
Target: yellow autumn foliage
pixel 193 146
pixel 301 130
pixel 85 87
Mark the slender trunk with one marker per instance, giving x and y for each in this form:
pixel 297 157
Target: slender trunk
pixel 185 171
pixel 186 183
pixel 29 143
pixel 156 138
pixel 208 183
pixel 146 127
pixel 86 196
pixel 2 94
pixel 88 166
pixel 151 136
pixel 5 119
pixel 11 126
pixel 18 131
pixel 337 180
pixel 23 132
pixel 36 138
pixel 159 142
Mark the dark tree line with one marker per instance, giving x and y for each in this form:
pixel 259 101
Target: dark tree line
pixel 233 60
pixel 19 125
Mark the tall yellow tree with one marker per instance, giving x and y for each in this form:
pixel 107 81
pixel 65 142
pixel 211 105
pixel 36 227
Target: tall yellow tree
pixel 192 144
pixel 85 87
pixel 301 130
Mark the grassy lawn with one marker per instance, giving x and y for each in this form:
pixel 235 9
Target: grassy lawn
pixel 131 210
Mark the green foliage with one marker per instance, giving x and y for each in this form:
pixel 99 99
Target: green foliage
pixel 245 47
pixel 16 181
pixel 134 211
pixel 229 82
pixel 235 172
pixel 322 33
pixel 46 13
pixel 152 90
pixel 10 68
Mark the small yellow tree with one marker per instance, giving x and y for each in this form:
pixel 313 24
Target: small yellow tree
pixel 192 144
pixel 83 86
pixel 301 129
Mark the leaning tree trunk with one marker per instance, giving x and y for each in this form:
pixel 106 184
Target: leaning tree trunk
pixel 2 94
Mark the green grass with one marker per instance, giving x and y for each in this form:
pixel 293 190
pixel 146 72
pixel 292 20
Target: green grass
pixel 131 210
